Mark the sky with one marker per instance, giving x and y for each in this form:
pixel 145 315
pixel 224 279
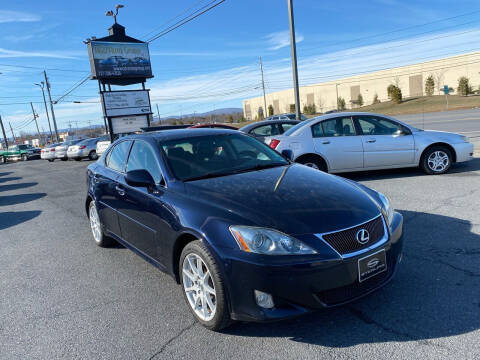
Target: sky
pixel 213 61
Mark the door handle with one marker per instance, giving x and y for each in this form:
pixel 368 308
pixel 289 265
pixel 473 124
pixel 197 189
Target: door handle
pixel 326 142
pixel 120 190
pixel 371 141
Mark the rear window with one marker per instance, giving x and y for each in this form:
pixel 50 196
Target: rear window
pixel 296 127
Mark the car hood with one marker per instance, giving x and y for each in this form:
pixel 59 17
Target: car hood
pixel 439 135
pixel 294 199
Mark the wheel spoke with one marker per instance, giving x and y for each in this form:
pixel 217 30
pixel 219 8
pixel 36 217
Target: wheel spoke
pixel 209 289
pixel 189 274
pixel 209 302
pixel 192 266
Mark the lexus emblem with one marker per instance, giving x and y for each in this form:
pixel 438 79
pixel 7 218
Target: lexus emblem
pixel 362 236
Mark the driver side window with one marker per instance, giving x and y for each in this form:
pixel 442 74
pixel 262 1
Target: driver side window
pixel 374 125
pixel 143 158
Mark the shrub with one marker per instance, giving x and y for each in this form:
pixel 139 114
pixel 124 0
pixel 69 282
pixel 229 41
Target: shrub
pixel 292 108
pixel 310 109
pixel 429 86
pixel 341 103
pixel 396 95
pixel 360 100
pixel 260 113
pixel 390 89
pixel 464 87
pixel 375 99
pixel 270 110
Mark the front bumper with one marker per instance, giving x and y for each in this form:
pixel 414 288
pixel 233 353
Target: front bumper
pixel 302 287
pixel 463 151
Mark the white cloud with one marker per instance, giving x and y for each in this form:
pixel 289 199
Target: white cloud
pixel 8 16
pixel 18 38
pixel 6 53
pixel 281 39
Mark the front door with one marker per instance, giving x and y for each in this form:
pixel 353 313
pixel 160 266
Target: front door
pixel 337 141
pixel 385 142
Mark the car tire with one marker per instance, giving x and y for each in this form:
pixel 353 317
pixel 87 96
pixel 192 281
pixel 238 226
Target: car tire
pixel 65 159
pixel 78 159
pixel 96 227
pixel 313 162
pixel 93 155
pixel 436 160
pixel 50 160
pixel 24 157
pixel 208 284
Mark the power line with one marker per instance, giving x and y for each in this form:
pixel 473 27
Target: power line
pixel 185 20
pixel 73 88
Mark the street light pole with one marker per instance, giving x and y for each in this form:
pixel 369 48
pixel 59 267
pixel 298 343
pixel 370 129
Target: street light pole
pixel 294 60
pixel 42 86
pixel 51 106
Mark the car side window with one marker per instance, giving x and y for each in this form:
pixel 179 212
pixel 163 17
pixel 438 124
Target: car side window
pixel 265 130
pixel 341 126
pixel 374 125
pixel 287 126
pixel 117 157
pixel 317 130
pixel 142 157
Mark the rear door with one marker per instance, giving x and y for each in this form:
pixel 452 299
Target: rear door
pixel 385 142
pixel 108 192
pixel 337 141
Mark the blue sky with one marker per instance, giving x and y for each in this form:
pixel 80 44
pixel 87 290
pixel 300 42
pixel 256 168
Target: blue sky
pixel 212 62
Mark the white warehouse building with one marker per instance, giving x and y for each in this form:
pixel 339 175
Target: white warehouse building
pixel 410 79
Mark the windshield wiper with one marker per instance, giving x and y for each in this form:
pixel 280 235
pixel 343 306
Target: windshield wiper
pixel 234 171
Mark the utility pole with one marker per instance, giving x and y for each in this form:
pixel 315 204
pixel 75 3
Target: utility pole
pixel 265 113
pixel 3 131
pixel 158 114
pixel 42 85
pixel 51 106
pixel 294 60
pixel 336 90
pixel 35 116
pixel 13 135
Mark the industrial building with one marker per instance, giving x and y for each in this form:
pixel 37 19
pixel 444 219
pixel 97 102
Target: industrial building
pixel 410 79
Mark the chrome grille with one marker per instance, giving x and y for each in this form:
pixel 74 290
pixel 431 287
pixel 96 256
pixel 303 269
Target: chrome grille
pixel 345 241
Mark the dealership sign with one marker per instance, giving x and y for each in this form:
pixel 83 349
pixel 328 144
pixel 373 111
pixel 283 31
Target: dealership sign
pixel 109 60
pixel 129 102
pixel 129 124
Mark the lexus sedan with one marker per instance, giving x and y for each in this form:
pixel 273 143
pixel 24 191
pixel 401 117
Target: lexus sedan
pixel 248 234
pixel 355 141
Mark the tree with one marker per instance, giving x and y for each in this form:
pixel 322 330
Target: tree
pixel 360 100
pixel 270 110
pixel 292 108
pixel 341 103
pixel 375 99
pixel 429 86
pixel 309 109
pixel 397 95
pixel 230 118
pixel 464 87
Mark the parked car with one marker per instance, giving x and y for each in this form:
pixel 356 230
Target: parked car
pixel 289 116
pixel 84 149
pixel 262 129
pixel 22 152
pixel 61 150
pixel 48 152
pixel 213 126
pixel 357 141
pixel 248 234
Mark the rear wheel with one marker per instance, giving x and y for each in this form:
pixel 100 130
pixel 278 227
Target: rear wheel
pixel 203 286
pixel 313 162
pixel 96 227
pixel 93 155
pixel 436 160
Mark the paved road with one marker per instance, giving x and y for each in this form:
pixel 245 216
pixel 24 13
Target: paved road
pixel 466 122
pixel 63 297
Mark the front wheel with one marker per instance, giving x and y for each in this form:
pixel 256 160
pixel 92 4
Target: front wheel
pixel 51 160
pixel 436 160
pixel 203 286
pixel 314 163
pixel 96 227
pixel 24 157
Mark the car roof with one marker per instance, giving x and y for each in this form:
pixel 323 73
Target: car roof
pixel 266 122
pixel 165 135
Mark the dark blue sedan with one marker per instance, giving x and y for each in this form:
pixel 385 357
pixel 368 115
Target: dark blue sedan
pixel 248 234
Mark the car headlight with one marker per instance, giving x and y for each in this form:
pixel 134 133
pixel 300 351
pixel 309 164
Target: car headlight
pixel 268 242
pixel 387 207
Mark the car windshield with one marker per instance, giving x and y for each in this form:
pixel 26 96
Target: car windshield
pixel 296 127
pixel 23 147
pixel 209 156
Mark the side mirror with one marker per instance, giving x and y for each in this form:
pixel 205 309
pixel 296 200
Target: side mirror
pixel 139 178
pixel 288 154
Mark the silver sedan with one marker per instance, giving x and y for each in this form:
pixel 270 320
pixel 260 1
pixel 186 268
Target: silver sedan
pixel 84 149
pixel 355 141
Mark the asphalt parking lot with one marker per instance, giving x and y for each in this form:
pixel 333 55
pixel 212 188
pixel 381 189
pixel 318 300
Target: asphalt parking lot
pixel 63 297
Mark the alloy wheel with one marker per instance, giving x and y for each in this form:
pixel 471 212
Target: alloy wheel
pixel 95 224
pixel 438 161
pixel 312 165
pixel 199 287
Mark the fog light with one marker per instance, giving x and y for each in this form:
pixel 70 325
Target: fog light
pixel 264 300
